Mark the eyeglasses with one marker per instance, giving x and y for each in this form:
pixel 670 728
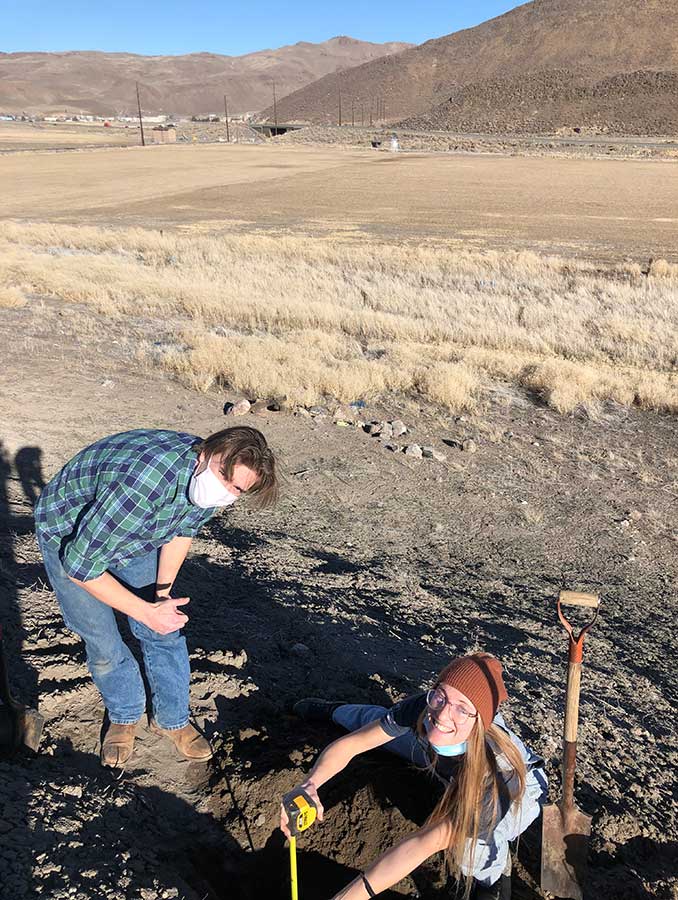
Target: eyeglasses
pixel 436 700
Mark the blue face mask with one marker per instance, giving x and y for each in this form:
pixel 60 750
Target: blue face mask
pixel 446 749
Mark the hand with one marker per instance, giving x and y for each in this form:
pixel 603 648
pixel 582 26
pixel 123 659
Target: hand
pixel 312 792
pixel 164 617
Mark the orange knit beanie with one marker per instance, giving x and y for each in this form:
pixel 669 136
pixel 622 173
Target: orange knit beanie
pixel 479 678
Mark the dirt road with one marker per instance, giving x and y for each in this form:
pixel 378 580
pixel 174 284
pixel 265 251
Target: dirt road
pixel 601 209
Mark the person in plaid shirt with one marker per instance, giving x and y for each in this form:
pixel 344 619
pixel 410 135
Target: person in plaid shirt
pixel 119 518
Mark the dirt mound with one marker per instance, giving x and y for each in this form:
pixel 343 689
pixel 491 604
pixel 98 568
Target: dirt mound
pixel 643 102
pixel 592 40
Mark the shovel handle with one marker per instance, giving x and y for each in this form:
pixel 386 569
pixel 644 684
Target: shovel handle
pixel 576 655
pixel 574 598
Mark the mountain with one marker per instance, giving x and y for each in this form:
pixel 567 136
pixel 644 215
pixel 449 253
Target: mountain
pixel 104 83
pixel 590 41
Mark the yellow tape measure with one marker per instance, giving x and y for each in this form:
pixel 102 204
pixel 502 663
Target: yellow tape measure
pixel 300 809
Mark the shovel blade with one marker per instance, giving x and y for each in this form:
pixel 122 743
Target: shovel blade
pixel 32 728
pixel 564 848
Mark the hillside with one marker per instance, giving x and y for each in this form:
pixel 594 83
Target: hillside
pixel 590 41
pixel 104 83
pixel 644 103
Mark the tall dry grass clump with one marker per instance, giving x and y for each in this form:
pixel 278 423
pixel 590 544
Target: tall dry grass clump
pixel 314 318
pixel 11 297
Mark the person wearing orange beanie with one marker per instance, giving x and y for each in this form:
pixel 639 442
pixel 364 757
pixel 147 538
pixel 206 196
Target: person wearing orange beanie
pixel 491 787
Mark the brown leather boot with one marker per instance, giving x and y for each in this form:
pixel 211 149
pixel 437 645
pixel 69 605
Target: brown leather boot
pixel 117 745
pixel 187 740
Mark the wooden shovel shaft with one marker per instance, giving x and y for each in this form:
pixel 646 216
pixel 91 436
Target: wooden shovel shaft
pixel 572 701
pixel 570 733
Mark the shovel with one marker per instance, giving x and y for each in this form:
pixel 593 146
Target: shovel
pixel 566 830
pixel 18 725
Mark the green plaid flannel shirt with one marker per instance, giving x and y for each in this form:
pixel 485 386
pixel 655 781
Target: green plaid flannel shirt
pixel 123 496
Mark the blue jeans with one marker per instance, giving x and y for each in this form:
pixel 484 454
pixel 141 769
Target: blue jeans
pixel 491 854
pixel 113 668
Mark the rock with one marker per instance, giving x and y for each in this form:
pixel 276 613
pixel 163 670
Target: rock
pixel 373 428
pixel 301 650
pixel 241 408
pixel 386 430
pixel 72 790
pixel 246 733
pixel 429 452
pixel 345 414
pixel 259 408
pixel 413 450
pixel 398 428
pixel 394 448
pixel 228 658
pixel 260 820
pixel 278 404
pixel 302 411
pixel 318 412
pixel 469 446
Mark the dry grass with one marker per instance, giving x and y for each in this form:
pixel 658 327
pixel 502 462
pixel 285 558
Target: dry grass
pixel 314 318
pixel 11 297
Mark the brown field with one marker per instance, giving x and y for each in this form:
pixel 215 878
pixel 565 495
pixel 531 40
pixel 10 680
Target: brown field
pixel 62 135
pixel 598 209
pixel 293 271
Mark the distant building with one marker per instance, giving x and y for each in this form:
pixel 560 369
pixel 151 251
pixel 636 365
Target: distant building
pixel 164 134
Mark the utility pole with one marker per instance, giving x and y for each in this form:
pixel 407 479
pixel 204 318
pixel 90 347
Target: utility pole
pixel 228 133
pixel 141 122
pixel 275 110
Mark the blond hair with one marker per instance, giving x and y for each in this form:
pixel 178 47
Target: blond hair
pixel 471 802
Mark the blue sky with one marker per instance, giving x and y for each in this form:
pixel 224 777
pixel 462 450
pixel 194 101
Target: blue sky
pixel 189 26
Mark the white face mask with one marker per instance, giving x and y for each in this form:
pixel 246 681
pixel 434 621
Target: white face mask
pixel 205 490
